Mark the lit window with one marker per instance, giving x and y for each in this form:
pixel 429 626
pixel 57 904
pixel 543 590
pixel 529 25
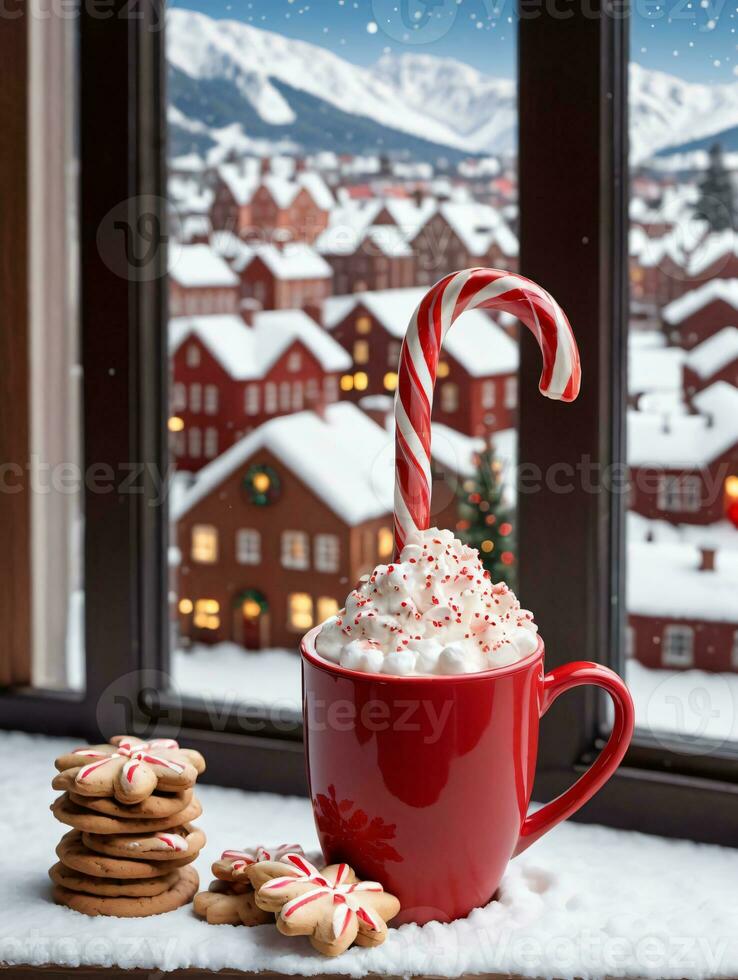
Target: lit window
pixel 295 549
pixel 204 548
pixel 511 392
pixel 363 324
pixel 361 352
pixel 361 381
pixel 179 397
pixel 677 648
pixel 298 396
pixel 270 398
pixel 185 606
pixel 207 614
pixel 211 443
pixel 175 423
pixel 327 606
pixel 488 394
pixel 194 442
pixel 449 397
pixel 294 361
pixel 327 549
pixel 299 611
pixel 442 371
pixel 211 399
pixel 385 542
pixel 193 356
pixel 285 396
pixel 390 381
pixel 248 546
pixel 195 397
pixel 347 382
pixel 251 400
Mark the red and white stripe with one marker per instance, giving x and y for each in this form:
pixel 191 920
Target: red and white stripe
pixel 489 289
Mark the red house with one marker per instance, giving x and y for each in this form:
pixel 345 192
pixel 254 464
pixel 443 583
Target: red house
pixel 235 185
pixel 682 610
pixel 681 464
pixel 273 533
pixel 715 359
pixel 229 377
pixel 287 277
pixel 377 257
pixel 476 392
pixel 200 282
pixel 716 256
pixel 701 312
pixel 297 208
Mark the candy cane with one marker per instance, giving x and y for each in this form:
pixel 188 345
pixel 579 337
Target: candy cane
pixel 489 289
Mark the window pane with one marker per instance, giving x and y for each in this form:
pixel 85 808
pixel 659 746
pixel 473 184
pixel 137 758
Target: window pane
pixel 682 524
pixel 314 197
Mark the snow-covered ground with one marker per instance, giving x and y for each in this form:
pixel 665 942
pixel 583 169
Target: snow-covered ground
pixel 584 901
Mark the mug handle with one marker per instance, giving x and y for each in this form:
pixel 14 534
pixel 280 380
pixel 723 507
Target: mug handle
pixel 566 678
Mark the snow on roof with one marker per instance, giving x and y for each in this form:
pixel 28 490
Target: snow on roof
pixel 666 580
pixel 242 179
pixel 335 455
pixel 389 240
pixel 200 265
pixel 685 306
pixel 474 224
pixel 229 246
pixel 715 353
pixel 717 245
pixel 653 368
pixel 247 353
pixel 284 190
pixel 720 536
pixel 688 442
pixel 317 189
pixel 408 215
pixel 479 344
pixel 294 260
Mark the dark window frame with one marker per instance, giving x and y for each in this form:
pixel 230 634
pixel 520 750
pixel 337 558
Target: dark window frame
pixel 573 230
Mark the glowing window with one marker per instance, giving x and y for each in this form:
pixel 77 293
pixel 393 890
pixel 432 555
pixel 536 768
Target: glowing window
pixel 299 611
pixel 385 542
pixel 206 615
pixel 204 547
pixel 327 607
pixel 361 352
pixel 295 549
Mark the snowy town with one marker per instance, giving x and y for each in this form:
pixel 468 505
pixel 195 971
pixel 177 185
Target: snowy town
pixel 292 279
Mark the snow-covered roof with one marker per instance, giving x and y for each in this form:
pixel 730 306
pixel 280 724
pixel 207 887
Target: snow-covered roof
pixel 685 306
pixel 200 265
pixel 294 260
pixel 242 179
pixel 479 344
pixel 284 190
pixel 247 353
pixel 345 239
pixel 713 354
pixel 666 580
pixel 408 215
pixel 716 246
pixel 474 224
pixel 335 455
pixel 672 441
pixel 389 240
pixel 720 536
pixel 229 246
pixel 652 368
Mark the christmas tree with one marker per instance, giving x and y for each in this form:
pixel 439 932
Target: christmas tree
pixel 716 203
pixel 485 520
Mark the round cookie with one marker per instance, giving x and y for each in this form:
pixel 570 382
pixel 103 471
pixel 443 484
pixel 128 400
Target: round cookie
pixel 178 895
pixel 73 853
pixel 175 843
pixel 97 823
pixel 158 805
pixel 221 904
pixel 112 887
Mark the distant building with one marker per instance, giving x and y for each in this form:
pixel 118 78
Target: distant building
pixel 715 359
pixel 701 313
pixel 476 391
pixel 682 610
pixel 287 277
pixel 229 377
pixel 680 463
pixel 377 257
pixel 200 282
pixel 275 532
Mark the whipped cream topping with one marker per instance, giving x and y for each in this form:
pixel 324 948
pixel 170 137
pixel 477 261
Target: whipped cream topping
pixel 435 611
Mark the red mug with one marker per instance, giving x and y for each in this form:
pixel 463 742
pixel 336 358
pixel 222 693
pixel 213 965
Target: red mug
pixel 423 782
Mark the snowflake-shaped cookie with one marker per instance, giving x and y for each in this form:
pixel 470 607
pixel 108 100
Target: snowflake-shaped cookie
pixel 331 906
pixel 233 865
pixel 131 769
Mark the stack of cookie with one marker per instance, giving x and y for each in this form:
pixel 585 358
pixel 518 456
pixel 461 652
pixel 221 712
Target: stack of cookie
pixel 131 805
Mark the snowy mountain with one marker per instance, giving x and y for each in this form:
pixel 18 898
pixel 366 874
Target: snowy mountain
pixel 234 85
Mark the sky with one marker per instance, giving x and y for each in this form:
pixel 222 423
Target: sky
pixel 694 39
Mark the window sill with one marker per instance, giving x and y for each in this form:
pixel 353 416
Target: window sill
pixel 584 901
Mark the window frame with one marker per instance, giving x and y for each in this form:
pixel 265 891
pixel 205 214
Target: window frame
pixel 572 175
